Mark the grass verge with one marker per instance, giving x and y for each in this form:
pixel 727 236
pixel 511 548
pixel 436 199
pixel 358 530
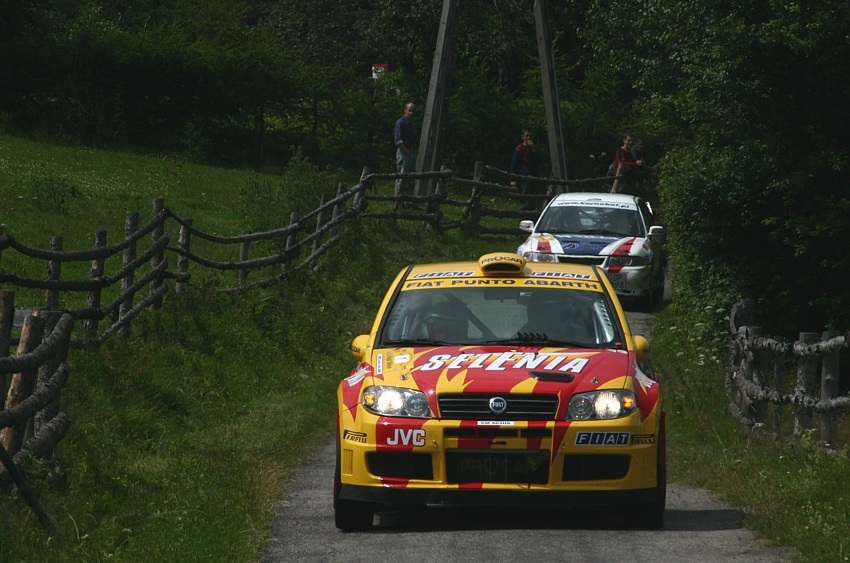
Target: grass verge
pixel 789 490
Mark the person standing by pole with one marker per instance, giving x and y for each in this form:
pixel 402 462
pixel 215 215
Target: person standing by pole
pixel 404 136
pixel 525 163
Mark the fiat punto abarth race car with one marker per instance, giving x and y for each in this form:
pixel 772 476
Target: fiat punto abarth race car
pixel 500 382
pixel 615 231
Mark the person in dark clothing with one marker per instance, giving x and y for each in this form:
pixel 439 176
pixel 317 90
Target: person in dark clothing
pixel 525 162
pixel 405 142
pixel 626 166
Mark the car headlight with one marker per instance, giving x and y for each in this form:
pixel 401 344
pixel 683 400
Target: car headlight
pixel 627 261
pixel 395 401
pixel 539 257
pixel 610 403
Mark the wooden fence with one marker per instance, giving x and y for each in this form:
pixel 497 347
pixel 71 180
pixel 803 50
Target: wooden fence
pixel 31 422
pixel 768 375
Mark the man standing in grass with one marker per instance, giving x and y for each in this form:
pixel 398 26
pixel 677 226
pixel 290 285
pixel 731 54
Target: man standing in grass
pixel 404 137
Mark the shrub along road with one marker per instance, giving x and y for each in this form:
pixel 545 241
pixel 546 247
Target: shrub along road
pixel 697 527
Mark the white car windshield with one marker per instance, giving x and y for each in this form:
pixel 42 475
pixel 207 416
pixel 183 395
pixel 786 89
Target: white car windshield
pixel 500 315
pixel 575 219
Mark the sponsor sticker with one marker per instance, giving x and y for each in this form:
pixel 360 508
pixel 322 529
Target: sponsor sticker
pixel 571 275
pixel 602 439
pixel 643 439
pixel 359 437
pixel 407 437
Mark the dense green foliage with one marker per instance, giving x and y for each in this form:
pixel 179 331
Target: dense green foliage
pixel 750 102
pixel 743 106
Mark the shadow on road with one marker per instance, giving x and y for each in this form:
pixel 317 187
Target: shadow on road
pixel 439 519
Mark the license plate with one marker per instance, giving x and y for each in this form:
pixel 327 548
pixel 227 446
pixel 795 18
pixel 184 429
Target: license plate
pixel 617 280
pixel 491 466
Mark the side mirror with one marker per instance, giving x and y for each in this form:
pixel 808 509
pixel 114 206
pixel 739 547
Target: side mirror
pixel 527 226
pixel 656 231
pixel 642 348
pixel 359 346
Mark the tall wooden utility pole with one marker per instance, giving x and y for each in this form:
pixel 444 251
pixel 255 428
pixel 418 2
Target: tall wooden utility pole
pixel 557 154
pixel 436 108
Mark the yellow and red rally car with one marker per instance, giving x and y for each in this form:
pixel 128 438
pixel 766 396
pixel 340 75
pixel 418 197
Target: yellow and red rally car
pixel 500 382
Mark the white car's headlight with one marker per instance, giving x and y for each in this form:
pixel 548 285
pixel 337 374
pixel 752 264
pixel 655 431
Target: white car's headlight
pixel 540 257
pixel 627 261
pixel 610 403
pixel 395 401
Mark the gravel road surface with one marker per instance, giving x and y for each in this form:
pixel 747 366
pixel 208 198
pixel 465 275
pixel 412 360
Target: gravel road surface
pixel 697 528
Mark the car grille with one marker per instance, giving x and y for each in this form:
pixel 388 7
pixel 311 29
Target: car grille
pixel 470 406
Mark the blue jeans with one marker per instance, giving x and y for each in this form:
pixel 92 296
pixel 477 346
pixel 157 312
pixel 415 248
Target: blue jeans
pixel 404 163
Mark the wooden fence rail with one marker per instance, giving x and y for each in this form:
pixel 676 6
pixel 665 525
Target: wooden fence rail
pixel 39 370
pixel 767 374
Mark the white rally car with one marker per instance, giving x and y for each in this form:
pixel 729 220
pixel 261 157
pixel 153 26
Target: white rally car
pixel 617 232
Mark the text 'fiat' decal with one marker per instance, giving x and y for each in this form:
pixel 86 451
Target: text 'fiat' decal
pixel 602 439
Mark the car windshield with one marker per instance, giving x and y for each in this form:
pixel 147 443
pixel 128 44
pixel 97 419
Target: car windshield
pixel 592 220
pixel 533 316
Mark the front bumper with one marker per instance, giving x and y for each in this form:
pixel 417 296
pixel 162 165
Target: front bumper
pixel 453 462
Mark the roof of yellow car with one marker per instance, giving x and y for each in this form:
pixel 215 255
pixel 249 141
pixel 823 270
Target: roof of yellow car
pixel 503 264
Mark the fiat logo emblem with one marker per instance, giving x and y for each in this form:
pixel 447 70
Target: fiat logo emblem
pixel 498 405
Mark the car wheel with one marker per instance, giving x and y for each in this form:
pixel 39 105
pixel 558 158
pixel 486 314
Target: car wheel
pixel 659 293
pixel 350 515
pixel 651 514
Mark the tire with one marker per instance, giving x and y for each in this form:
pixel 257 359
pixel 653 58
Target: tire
pixel 659 297
pixel 651 514
pixel 350 515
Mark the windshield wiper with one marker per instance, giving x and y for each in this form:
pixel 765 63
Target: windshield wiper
pixel 601 232
pixel 536 339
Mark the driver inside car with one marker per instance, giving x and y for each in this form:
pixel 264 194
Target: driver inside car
pixel 555 316
pixel 445 323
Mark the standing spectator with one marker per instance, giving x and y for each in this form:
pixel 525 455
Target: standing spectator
pixel 525 163
pixel 645 175
pixel 404 136
pixel 626 166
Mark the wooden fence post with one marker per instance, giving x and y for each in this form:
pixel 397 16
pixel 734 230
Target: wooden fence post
pixel 93 301
pixel 336 210
pixel 290 240
pixel 156 234
pixel 317 242
pixel 7 319
pixel 475 199
pixel 434 204
pixel 131 222
pixel 23 383
pixel 45 372
pixel 183 261
pixel 829 391
pixel 778 384
pixel 244 248
pixel 758 408
pixel 806 381
pixel 54 273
